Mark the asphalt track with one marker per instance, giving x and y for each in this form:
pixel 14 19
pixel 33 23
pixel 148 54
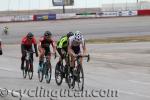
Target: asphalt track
pixel 91 28
pixel 119 71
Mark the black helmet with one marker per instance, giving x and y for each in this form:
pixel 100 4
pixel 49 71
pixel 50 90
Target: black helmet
pixel 30 35
pixel 70 34
pixel 47 33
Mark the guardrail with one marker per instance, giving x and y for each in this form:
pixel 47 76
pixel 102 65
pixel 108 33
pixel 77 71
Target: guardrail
pixel 43 17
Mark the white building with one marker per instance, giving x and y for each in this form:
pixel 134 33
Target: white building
pixel 125 6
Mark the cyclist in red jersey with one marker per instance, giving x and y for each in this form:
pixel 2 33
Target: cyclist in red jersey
pixel 44 46
pixel 26 45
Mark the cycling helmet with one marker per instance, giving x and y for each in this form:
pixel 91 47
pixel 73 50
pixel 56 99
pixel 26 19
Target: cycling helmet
pixel 70 34
pixel 47 33
pixel 78 36
pixel 30 35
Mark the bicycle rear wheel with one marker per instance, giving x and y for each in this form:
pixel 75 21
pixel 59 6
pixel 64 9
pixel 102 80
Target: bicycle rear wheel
pixel 58 75
pixel 48 72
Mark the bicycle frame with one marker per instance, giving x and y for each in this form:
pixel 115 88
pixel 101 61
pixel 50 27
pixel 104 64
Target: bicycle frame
pixel 79 71
pixel 29 61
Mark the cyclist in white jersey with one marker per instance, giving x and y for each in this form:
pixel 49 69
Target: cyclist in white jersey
pixel 76 47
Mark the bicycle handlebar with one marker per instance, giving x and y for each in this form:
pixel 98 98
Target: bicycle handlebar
pixel 29 51
pixel 84 56
pixel 55 55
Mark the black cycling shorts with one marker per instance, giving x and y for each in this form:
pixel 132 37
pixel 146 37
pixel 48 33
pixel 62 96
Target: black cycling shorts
pixel 47 51
pixel 59 50
pixel 76 49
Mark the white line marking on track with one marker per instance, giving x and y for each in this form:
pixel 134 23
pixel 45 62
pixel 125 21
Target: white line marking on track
pixel 139 82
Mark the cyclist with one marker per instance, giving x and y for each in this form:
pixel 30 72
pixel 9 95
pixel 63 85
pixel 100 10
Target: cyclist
pixel 5 30
pixel 74 49
pixel 44 47
pixel 62 46
pixel 26 45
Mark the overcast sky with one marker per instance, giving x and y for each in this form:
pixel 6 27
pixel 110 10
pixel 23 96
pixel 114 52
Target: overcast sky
pixel 47 4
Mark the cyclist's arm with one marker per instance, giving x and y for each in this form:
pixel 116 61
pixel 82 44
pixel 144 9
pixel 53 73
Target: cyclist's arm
pixel 84 47
pixel 23 45
pixel 70 51
pixel 54 46
pixel 35 46
pixel 22 48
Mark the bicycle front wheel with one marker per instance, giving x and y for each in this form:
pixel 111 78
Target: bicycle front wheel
pixel 24 73
pixel 48 72
pixel 80 78
pixel 25 70
pixel 30 71
pixel 58 75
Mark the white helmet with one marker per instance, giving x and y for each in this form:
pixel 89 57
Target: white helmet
pixel 78 36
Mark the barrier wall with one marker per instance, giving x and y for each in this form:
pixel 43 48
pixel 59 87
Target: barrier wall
pixel 6 18
pixel 23 18
pixel 43 17
pixel 144 12
pixel 66 16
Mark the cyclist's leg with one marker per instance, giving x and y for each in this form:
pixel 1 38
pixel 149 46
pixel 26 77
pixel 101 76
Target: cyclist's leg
pixel 76 50
pixel 61 55
pixel 65 50
pixel 48 53
pixel 22 60
pixel 41 56
pixel 31 55
pixel 23 57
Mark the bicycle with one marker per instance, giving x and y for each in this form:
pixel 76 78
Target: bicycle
pixel 79 76
pixel 28 68
pixel 45 70
pixel 61 70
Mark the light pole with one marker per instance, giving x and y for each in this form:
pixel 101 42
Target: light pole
pixel 9 6
pixel 64 6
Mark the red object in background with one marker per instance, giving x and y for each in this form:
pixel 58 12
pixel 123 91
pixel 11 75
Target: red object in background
pixel 0 48
pixel 34 17
pixel 144 12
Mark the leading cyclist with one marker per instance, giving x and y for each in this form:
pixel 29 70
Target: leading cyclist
pixel 76 47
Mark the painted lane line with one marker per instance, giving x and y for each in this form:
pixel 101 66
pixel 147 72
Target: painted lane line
pixel 139 82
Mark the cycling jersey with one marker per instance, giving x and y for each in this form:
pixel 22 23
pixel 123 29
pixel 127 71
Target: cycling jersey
pixel 27 42
pixel 46 44
pixel 76 45
pixel 73 43
pixel 63 42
